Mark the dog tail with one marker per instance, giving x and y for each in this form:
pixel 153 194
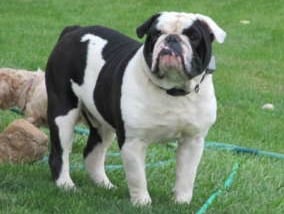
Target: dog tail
pixel 67 30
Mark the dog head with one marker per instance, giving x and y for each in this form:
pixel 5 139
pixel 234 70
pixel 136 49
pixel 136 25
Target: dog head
pixel 178 47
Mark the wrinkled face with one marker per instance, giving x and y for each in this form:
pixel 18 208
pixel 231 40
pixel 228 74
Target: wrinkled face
pixel 177 48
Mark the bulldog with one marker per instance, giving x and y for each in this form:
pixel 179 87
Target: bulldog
pixel 144 93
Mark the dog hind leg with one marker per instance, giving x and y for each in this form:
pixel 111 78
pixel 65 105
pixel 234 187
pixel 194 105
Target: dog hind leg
pixel 61 134
pixel 94 154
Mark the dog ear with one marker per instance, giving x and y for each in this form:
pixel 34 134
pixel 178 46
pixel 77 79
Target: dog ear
pixel 145 27
pixel 218 33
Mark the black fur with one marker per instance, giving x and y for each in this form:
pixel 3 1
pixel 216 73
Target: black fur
pixel 68 29
pixel 201 42
pixel 67 63
pixel 147 26
pixel 117 53
pixel 199 36
pixel 93 140
pixel 60 95
pixel 55 156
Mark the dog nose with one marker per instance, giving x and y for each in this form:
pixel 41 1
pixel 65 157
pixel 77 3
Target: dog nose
pixel 172 38
pixel 166 51
pixel 173 42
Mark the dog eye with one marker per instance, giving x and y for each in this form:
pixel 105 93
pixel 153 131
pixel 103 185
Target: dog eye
pixel 193 36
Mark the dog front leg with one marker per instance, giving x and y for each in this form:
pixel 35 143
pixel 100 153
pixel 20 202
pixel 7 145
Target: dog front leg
pixel 189 153
pixel 133 155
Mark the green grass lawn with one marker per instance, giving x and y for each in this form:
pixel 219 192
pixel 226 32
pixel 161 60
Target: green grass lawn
pixel 250 73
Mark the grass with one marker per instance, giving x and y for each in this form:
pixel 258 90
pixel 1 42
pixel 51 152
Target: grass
pixel 250 73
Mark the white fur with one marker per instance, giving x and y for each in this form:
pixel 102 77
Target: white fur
pixel 95 62
pixel 188 156
pixel 150 115
pixel 219 34
pixel 133 155
pixel 96 159
pixel 187 56
pixel 163 115
pixel 175 23
pixel 65 126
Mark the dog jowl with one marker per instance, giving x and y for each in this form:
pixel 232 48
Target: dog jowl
pixel 142 92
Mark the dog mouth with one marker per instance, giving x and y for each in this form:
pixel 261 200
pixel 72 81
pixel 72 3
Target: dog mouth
pixel 170 67
pixel 169 63
pixel 170 60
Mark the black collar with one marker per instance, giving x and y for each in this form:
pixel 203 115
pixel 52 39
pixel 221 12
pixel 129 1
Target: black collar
pixel 177 92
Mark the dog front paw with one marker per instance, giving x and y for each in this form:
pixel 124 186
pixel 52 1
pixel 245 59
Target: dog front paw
pixel 183 198
pixel 103 181
pixel 141 200
pixel 106 184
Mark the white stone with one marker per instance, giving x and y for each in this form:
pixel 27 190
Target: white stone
pixel 268 106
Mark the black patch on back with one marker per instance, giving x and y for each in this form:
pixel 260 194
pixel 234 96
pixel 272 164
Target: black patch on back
pixel 107 95
pixel 67 61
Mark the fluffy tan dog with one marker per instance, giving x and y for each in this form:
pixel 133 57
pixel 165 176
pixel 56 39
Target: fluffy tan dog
pixel 26 90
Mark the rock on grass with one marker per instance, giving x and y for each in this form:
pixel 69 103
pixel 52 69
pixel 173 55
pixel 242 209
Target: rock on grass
pixel 22 142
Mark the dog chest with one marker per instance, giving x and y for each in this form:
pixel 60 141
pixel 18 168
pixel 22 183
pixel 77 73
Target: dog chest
pixel 151 114
pixel 155 122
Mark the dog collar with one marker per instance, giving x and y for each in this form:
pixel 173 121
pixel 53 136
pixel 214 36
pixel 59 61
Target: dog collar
pixel 177 92
pixel 209 70
pixel 211 66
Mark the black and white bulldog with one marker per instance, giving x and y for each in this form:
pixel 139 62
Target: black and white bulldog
pixel 143 93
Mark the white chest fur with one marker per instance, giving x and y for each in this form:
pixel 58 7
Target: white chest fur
pixel 152 115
